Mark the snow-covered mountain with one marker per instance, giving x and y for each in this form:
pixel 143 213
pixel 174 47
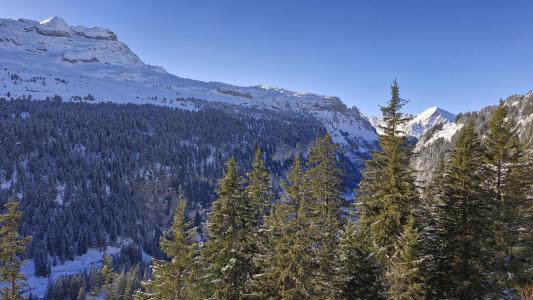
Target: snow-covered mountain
pixel 420 123
pixel 437 142
pixel 48 58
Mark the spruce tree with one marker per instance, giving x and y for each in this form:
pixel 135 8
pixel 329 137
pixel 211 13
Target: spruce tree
pixel 509 180
pixel 226 262
pixel 287 260
pixel 464 226
pixel 106 274
pixel 172 280
pixel 387 194
pixel 359 274
pixel 323 186
pixel 12 247
pixel 258 191
pixel 433 218
pixel 404 276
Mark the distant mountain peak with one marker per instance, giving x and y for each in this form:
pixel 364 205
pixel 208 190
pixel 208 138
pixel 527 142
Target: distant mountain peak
pixel 421 122
pixel 54 22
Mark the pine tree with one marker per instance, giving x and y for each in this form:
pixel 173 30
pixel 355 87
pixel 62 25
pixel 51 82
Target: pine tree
pixel 226 261
pixel 12 246
pixel 106 275
pixel 359 274
pixel 323 185
pixel 258 191
pixel 405 275
pixel 172 279
pixel 387 194
pixel 433 218
pixel 509 181
pixel 464 227
pixel 287 260
pixel 81 294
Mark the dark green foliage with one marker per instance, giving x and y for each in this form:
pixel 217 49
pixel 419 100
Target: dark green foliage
pixel 404 276
pixel 323 190
pixel 287 259
pixel 173 279
pixel 387 194
pixel 509 181
pixel 12 248
pixel 227 258
pixel 360 274
pixel 464 229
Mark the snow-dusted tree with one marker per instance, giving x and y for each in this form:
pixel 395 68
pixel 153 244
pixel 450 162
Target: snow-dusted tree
pixel 387 194
pixel 287 261
pixel 463 246
pixel 12 247
pixel 404 275
pixel 509 180
pixel 324 188
pixel 359 274
pixel 226 260
pixel 172 279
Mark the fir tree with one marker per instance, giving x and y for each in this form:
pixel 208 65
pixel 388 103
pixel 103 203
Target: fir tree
pixel 258 191
pixel 323 186
pixel 172 279
pixel 287 260
pixel 433 219
pixel 226 260
pixel 464 227
pixel 405 275
pixel 106 274
pixel 387 194
pixel 12 247
pixel 509 180
pixel 359 274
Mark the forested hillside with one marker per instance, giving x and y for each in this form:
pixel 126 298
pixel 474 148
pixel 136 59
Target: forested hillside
pixel 87 174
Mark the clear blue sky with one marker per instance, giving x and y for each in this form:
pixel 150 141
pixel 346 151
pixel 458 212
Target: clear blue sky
pixel 460 55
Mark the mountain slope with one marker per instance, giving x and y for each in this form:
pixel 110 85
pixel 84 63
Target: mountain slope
pixel 436 143
pixel 48 58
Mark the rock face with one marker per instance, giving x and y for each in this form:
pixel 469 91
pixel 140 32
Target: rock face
pixel 48 58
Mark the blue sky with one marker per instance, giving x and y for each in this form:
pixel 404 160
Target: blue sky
pixel 459 55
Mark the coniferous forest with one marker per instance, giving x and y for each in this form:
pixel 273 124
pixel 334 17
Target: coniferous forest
pixel 277 228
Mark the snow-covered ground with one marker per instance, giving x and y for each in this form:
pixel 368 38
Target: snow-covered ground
pixel 37 285
pixel 447 132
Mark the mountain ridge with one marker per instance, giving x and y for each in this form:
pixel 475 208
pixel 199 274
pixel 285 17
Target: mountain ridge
pixel 78 63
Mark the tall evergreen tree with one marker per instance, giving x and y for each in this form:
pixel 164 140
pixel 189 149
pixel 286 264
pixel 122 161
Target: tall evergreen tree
pixel 106 274
pixel 323 186
pixel 172 280
pixel 464 226
pixel 226 261
pixel 509 180
pixel 287 260
pixel 433 219
pixel 12 247
pixel 405 275
pixel 359 274
pixel 387 194
pixel 258 191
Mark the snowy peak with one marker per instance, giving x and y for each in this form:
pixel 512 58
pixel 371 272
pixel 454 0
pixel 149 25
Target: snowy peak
pixel 427 119
pixel 55 22
pixel 420 123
